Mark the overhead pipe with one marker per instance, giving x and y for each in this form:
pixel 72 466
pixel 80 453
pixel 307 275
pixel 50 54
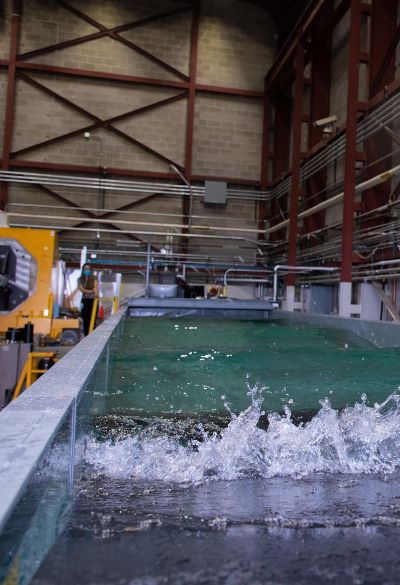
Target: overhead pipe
pixel 148 262
pixel 243 270
pixel 121 185
pixel 289 268
pixel 130 222
pixel 377 180
pixel 189 186
pixel 11 205
pixel 122 231
pixel 374 121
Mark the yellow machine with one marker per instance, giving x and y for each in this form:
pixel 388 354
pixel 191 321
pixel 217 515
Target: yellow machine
pixel 26 264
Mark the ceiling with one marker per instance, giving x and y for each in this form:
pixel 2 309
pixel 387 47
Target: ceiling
pixel 285 14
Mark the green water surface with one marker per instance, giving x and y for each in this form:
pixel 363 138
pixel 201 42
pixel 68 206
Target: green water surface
pixel 194 366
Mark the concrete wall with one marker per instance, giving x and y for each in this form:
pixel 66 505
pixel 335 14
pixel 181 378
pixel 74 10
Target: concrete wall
pixel 378 333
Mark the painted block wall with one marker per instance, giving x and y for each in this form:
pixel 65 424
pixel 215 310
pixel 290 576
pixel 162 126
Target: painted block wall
pixel 236 48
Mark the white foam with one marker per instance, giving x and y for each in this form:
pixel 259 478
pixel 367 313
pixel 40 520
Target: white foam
pixel 360 439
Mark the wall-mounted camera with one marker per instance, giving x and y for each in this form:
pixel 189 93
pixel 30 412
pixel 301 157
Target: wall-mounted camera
pixel 325 121
pixel 327 125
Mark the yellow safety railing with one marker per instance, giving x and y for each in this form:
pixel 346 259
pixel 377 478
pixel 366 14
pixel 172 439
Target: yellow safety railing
pixel 94 315
pixel 115 305
pixel 50 304
pixel 30 371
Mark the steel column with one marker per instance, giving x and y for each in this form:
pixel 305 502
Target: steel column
pixel 280 165
pixel 112 33
pixel 89 214
pixel 266 156
pixel 384 38
pixel 320 73
pixel 282 136
pixel 290 47
pixel 192 91
pixel 194 40
pixel 351 144
pixel 132 79
pixel 383 28
pixel 321 61
pixel 95 119
pixel 296 157
pixel 96 125
pixel 10 100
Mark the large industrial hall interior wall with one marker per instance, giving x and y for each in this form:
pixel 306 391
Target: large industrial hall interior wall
pixel 218 90
pixel 215 133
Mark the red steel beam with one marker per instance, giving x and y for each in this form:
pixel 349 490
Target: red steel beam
pixel 281 70
pixel 381 73
pixel 266 157
pixel 192 90
pixel 321 58
pixel 111 32
pixel 87 169
pixel 96 125
pixel 88 213
pixel 383 27
pixel 90 74
pixel 133 79
pixel 96 119
pixel 289 48
pixel 163 64
pixel 320 73
pixel 248 93
pixel 296 156
pixel 120 172
pixel 10 99
pixel 282 136
pixel 351 140
pixel 266 137
pixel 111 213
pixel 114 35
pixel 281 157
pixel 194 40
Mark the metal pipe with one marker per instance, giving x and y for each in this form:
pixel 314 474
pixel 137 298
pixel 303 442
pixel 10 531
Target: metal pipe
pixel 295 269
pixel 243 270
pixel 189 186
pixel 140 187
pixel 130 222
pixel 373 122
pixel 377 180
pixel 148 260
pixel 253 280
pixel 122 231
pixel 11 205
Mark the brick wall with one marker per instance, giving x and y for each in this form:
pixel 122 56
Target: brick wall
pixel 236 47
pixel 227 137
pixel 3 88
pixel 236 44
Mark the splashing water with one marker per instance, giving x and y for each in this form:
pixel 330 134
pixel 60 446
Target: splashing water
pixel 359 439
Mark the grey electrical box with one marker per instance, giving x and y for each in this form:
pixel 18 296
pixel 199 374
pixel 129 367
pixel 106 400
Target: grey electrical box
pixel 12 359
pixel 215 192
pixel 321 299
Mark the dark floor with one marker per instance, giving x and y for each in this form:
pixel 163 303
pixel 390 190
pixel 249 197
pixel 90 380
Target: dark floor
pixel 282 531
